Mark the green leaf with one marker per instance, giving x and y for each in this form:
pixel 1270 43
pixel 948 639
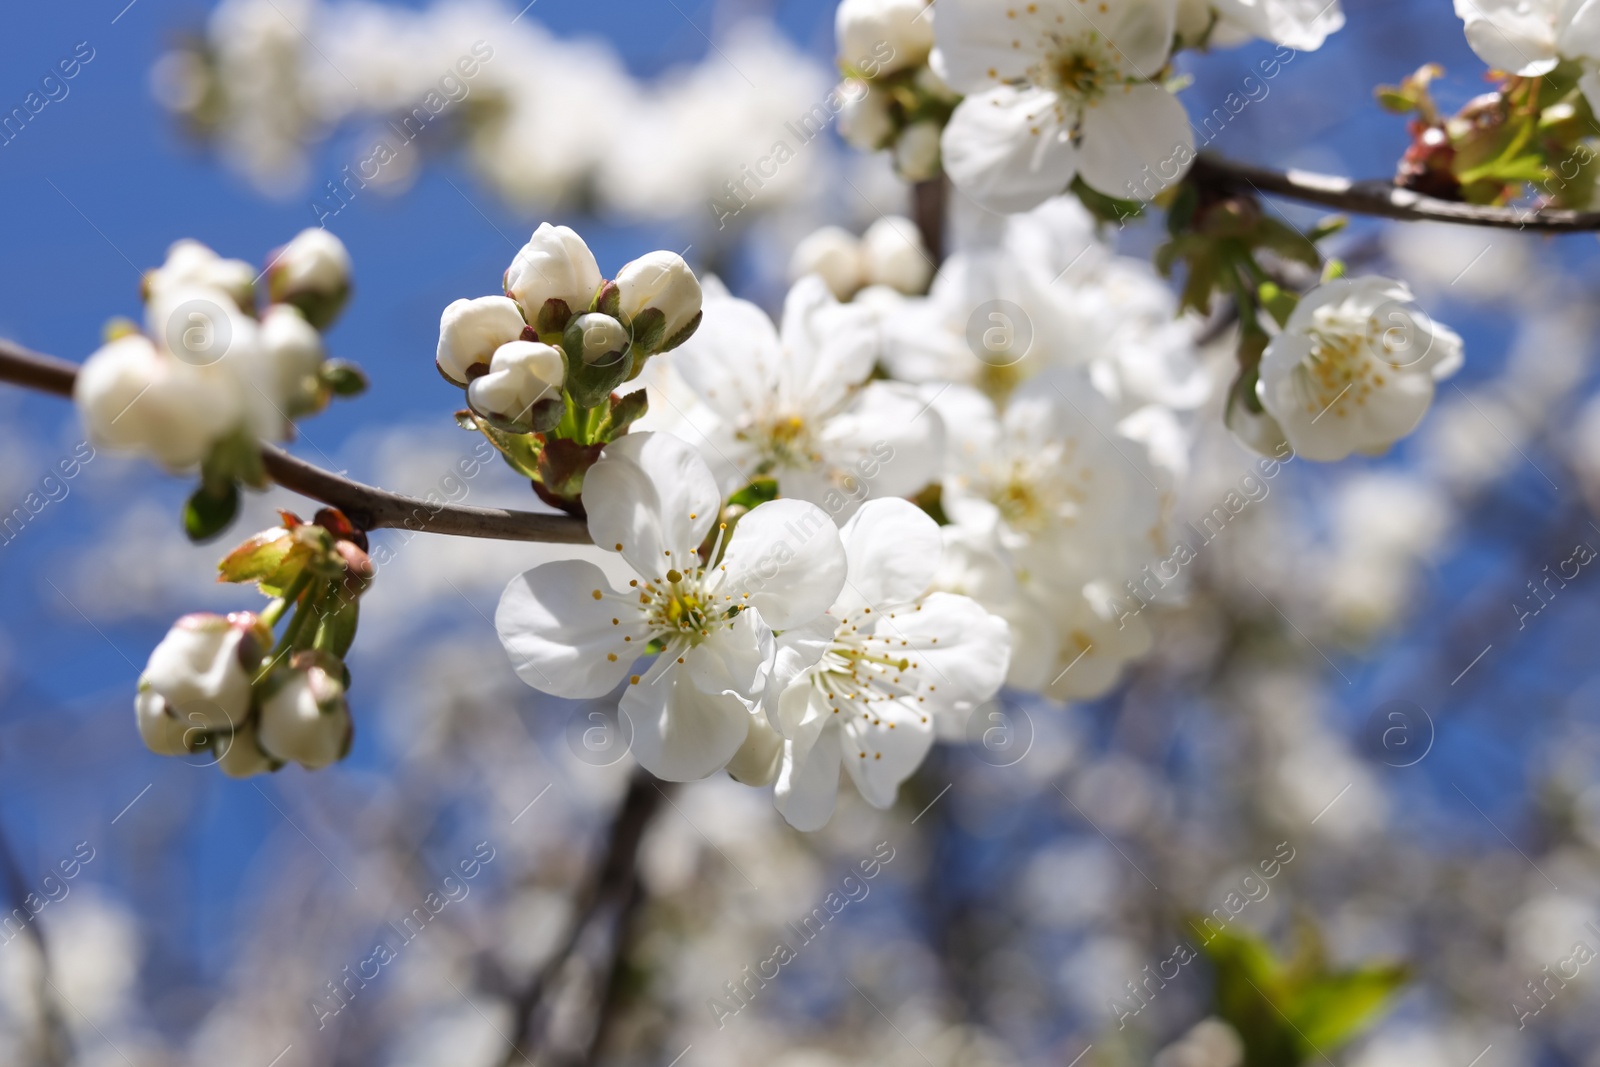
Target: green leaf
pixel 210 510
pixel 1332 1009
pixel 258 558
pixel 625 410
pixel 757 492
pixel 1106 208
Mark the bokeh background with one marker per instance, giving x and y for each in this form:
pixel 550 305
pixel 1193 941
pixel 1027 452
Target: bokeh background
pixel 1358 675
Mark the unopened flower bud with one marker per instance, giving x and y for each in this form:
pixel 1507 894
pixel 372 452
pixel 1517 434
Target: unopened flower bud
pixel 293 352
pixel 190 263
pixel 522 388
pixel 199 678
pixel 916 152
pixel 659 284
pixel 312 272
pixel 241 755
pixel 469 333
pixel 892 254
pixel 599 340
pixel 864 121
pixel 553 277
pixel 882 36
pixel 834 254
pixel 304 717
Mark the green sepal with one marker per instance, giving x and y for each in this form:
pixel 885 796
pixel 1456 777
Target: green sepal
pixel 343 378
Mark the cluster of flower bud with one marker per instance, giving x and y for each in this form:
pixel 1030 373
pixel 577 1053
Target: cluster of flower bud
pixel 546 357
pixel 894 99
pixel 219 687
pixel 210 374
pixel 891 253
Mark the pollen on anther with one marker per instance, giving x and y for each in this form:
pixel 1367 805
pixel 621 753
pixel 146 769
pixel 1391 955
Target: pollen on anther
pixel 633 582
pixel 692 515
pixel 680 659
pixel 619 546
pixel 616 622
pixel 612 656
pixel 596 594
pixel 634 680
pixel 627 639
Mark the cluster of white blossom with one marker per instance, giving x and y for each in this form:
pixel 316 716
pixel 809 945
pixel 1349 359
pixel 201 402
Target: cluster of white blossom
pixel 543 119
pixel 1016 100
pixel 210 369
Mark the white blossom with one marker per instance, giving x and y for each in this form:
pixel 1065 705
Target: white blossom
pixel 867 29
pixel 292 353
pixel 1053 92
pixel 891 665
pixel 471 330
pixel 833 254
pixel 652 499
pixel 1299 24
pixel 1529 37
pixel 133 397
pixel 191 264
pixel 1354 368
pixel 797 405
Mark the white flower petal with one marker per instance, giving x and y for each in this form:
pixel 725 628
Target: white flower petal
pixel 1136 142
pixel 681 734
pixel 760 758
pixel 560 637
pixel 735 659
pixel 960 648
pixel 809 781
pixel 787 557
pixel 893 549
pixel 884 747
pixel 984 42
pixel 1006 150
pixel 1512 35
pixel 652 495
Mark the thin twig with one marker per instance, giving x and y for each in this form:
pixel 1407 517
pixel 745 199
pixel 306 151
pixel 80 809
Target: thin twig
pixel 370 508
pixel 605 905
pixel 1383 199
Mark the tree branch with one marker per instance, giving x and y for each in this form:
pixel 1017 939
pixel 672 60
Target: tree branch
pixel 1383 199
pixel 370 508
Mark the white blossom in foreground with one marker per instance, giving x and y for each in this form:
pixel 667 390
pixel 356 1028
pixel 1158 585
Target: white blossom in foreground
pixel 133 397
pixel 1298 24
pixel 1054 91
pixel 198 679
pixel 1529 37
pixel 1354 368
pixel 652 498
pixel 660 283
pixel 796 405
pixel 898 664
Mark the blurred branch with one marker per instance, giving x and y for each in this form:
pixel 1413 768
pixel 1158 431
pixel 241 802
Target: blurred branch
pixel 928 202
pixel 54 1049
pixel 590 953
pixel 369 507
pixel 1382 199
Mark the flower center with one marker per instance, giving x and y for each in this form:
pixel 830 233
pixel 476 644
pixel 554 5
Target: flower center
pixel 1340 369
pixel 783 440
pixel 684 606
pixel 1080 69
pixel 860 670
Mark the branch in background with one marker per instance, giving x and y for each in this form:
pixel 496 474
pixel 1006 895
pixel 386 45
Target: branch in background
pixel 928 203
pixel 368 507
pixel 54 1049
pixel 586 961
pixel 1382 199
